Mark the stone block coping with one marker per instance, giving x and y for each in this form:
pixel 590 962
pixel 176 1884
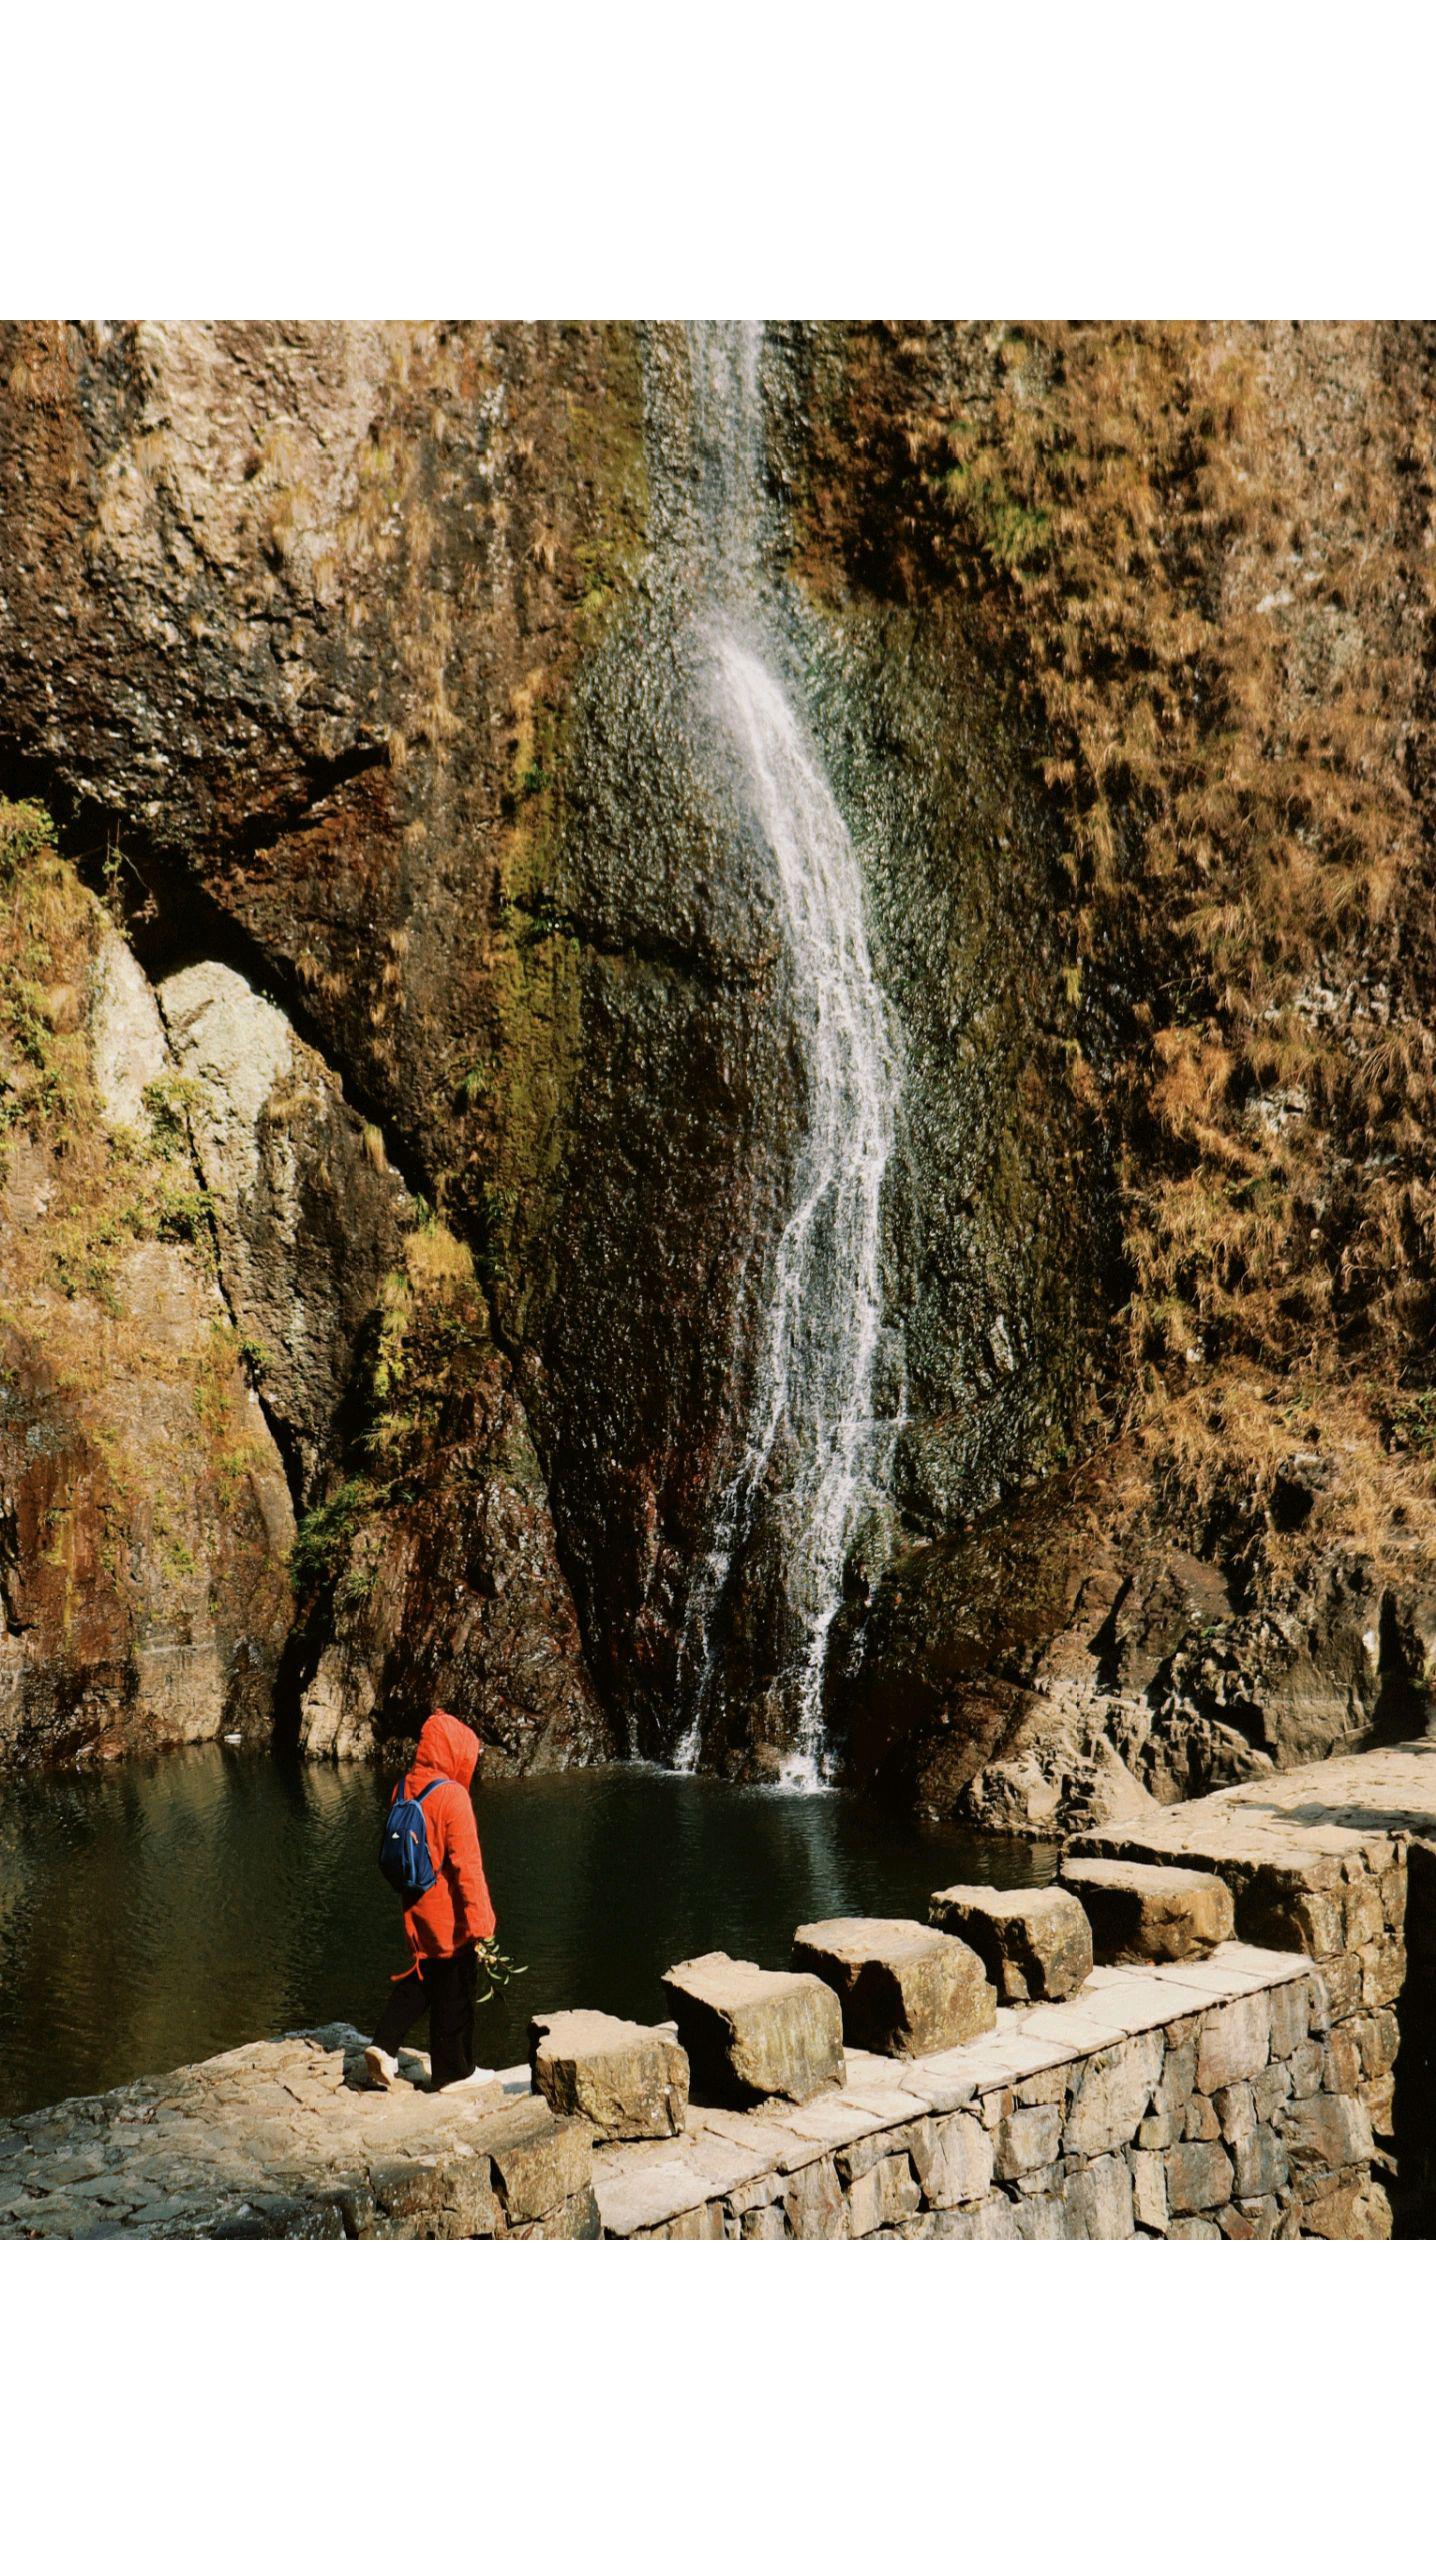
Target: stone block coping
pixel 727 2154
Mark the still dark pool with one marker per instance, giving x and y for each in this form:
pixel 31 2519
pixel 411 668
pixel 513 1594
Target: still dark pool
pixel 156 1913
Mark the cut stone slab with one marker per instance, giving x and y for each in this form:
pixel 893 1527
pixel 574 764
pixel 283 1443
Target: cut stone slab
pixel 750 2034
pixel 1150 1915
pixel 1035 1944
pixel 651 2192
pixel 904 1988
pixel 629 2082
pixel 1112 2095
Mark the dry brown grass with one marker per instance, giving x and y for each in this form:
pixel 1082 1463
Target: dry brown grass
pixel 1211 552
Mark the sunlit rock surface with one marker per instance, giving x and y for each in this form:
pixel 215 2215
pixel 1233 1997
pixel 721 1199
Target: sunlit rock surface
pixel 358 664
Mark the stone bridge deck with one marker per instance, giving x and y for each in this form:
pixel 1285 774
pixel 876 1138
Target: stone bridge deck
pixel 278 2141
pixel 1296 1820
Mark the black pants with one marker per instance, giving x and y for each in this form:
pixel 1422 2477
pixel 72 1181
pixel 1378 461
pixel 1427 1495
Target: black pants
pixel 445 1986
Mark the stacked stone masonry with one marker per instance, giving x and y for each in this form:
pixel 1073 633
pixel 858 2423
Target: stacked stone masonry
pixel 1184 2102
pixel 1320 1859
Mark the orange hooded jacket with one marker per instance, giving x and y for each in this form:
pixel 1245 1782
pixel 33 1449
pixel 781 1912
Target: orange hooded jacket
pixel 456 1910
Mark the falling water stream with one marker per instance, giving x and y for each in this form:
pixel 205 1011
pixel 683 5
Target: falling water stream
pixel 809 1441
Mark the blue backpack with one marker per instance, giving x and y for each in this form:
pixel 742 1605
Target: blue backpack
pixel 404 1859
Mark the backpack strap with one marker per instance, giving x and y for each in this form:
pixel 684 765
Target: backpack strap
pixel 429 1789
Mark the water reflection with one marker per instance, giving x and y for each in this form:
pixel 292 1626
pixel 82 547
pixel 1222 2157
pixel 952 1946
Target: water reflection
pixel 155 1913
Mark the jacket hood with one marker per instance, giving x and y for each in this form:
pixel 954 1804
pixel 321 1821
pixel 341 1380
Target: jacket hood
pixel 449 1748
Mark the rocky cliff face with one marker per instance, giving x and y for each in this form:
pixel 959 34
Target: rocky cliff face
pixel 1204 555
pixel 144 1515
pixel 356 669
pixel 280 608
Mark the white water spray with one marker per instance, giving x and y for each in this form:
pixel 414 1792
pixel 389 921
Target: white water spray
pixel 809 1421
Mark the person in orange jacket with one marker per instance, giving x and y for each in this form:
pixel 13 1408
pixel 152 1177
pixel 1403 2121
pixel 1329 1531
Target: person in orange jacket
pixel 446 1925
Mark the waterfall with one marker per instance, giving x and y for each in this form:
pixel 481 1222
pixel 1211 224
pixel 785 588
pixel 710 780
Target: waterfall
pixel 808 1430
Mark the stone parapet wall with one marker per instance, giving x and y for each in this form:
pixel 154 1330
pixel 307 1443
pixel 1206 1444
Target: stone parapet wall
pixel 1346 1913
pixel 1320 1859
pixel 1189 2102
pixel 1201 2101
